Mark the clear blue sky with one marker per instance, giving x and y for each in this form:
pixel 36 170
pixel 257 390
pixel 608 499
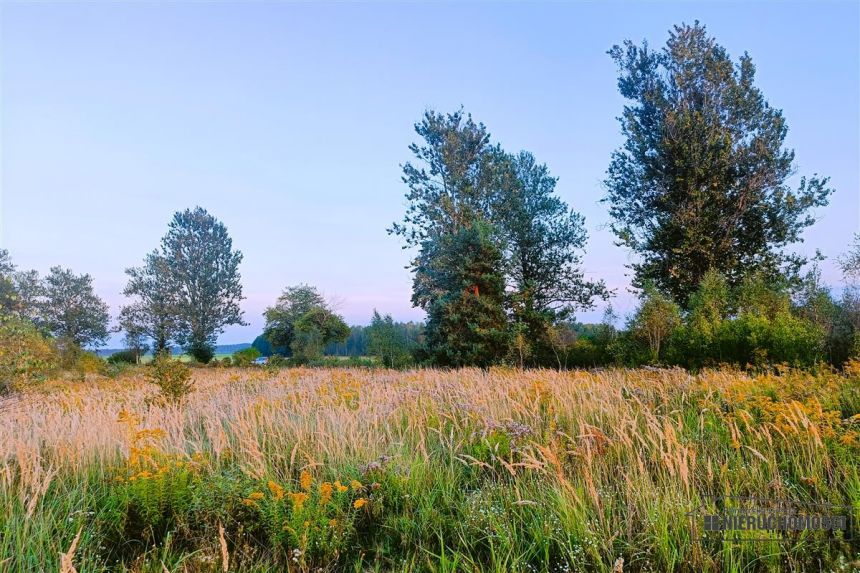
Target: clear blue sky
pixel 289 122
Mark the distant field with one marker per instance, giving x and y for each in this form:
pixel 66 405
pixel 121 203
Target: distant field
pixel 465 470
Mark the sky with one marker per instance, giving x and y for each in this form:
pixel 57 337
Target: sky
pixel 289 123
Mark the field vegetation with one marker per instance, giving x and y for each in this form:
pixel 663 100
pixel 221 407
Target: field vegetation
pixel 313 469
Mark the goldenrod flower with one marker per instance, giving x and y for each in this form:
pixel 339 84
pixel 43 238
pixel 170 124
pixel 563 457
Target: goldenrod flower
pixel 332 523
pixel 276 489
pixel 340 487
pixel 359 503
pixel 326 490
pixel 356 485
pixel 306 480
pixel 250 502
pixel 298 499
pixel 256 495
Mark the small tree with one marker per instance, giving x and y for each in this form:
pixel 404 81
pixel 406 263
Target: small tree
pixel 302 322
pixel 314 330
pixel 281 318
pixel 172 377
pixel 25 354
pixel 387 342
pixel 155 312
pixel 655 320
pixel 245 356
pixel 71 310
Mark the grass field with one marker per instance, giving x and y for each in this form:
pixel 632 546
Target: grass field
pixel 374 470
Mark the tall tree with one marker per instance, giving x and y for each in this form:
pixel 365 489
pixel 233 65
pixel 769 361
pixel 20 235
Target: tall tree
pixel 456 179
pixel 545 240
pixel 71 310
pixel 701 180
pixel 155 312
pixel 205 271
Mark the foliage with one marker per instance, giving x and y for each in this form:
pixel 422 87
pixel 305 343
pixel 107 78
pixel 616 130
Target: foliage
pixel 461 182
pixel 314 329
pixel 302 322
pixel 387 342
pixel 26 356
pixel 130 356
pixel 850 261
pixel 291 305
pixel 655 321
pixel 172 377
pixel 204 268
pixel 544 240
pixel 701 181
pixel 71 311
pixel 245 356
pixel 462 291
pixel 155 314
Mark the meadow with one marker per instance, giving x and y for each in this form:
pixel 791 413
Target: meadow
pixel 306 469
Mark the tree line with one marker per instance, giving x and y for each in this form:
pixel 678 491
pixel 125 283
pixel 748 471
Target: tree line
pixel 700 191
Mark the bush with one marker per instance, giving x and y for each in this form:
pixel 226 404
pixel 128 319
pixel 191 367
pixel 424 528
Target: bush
pixel 202 353
pixel 89 363
pixel 123 357
pixel 245 356
pixel 172 377
pixel 25 354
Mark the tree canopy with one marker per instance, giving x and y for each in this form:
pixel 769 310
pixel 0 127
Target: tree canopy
pixel 701 181
pixel 70 309
pixel 204 269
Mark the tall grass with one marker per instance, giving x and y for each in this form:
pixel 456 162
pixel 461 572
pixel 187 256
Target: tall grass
pixel 466 470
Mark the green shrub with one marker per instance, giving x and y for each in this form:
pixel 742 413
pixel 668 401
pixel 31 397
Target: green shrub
pixel 202 353
pixel 123 357
pixel 172 377
pixel 25 354
pixel 245 356
pixel 89 363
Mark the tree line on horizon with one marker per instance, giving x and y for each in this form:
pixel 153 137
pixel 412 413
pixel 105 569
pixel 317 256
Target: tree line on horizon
pixel 699 191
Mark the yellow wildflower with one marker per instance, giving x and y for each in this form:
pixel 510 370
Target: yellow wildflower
pixel 250 502
pixel 306 480
pixel 356 485
pixel 359 503
pixel 276 490
pixel 340 487
pixel 256 495
pixel 298 499
pixel 332 523
pixel 326 490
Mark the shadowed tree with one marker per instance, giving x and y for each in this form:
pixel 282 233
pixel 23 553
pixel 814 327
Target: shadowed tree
pixel 456 178
pixel 701 180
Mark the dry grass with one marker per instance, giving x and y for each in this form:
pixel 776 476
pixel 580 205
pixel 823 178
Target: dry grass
pixel 584 468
